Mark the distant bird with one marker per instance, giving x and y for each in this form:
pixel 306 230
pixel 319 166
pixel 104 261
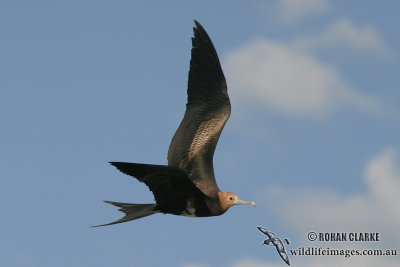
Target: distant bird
pixel 274 240
pixel 187 186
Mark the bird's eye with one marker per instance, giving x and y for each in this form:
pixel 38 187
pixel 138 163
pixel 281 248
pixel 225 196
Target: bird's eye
pixel 230 198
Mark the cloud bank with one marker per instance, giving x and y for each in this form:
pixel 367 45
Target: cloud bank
pixel 289 78
pixel 377 209
pixel 282 78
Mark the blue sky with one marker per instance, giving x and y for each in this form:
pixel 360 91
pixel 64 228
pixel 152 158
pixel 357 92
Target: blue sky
pixel 313 135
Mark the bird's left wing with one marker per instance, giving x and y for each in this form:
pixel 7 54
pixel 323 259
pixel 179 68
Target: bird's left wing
pixel 170 186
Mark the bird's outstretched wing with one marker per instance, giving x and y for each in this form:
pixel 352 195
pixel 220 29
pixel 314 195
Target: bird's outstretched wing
pixel 284 257
pixel 264 231
pixel 207 110
pixel 170 186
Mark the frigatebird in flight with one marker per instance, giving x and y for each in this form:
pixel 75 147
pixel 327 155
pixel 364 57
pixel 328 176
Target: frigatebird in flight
pixel 187 186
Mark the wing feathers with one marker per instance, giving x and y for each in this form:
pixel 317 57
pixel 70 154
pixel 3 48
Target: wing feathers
pixel 170 186
pixel 207 110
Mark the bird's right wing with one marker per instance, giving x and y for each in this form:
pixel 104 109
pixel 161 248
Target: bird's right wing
pixel 264 231
pixel 207 110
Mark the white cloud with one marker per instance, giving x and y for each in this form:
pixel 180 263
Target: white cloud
pixel 294 10
pixel 344 34
pixel 288 80
pixel 375 210
pixel 383 179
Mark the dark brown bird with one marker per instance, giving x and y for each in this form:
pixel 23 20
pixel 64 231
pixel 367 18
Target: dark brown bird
pixel 187 186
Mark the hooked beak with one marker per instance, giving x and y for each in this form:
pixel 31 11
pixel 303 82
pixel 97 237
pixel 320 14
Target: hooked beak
pixel 242 202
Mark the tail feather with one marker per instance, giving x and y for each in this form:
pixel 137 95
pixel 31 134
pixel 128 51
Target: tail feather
pixel 132 211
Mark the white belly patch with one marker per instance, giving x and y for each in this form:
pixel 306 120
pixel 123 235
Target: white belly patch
pixel 190 211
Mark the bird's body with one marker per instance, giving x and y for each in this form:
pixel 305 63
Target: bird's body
pixel 187 186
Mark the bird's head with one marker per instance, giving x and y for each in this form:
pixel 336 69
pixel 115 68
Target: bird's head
pixel 228 199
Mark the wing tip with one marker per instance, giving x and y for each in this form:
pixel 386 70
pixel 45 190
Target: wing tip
pixel 197 23
pixel 116 164
pixel 199 32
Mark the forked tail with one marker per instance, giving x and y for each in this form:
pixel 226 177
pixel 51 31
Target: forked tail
pixel 132 211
